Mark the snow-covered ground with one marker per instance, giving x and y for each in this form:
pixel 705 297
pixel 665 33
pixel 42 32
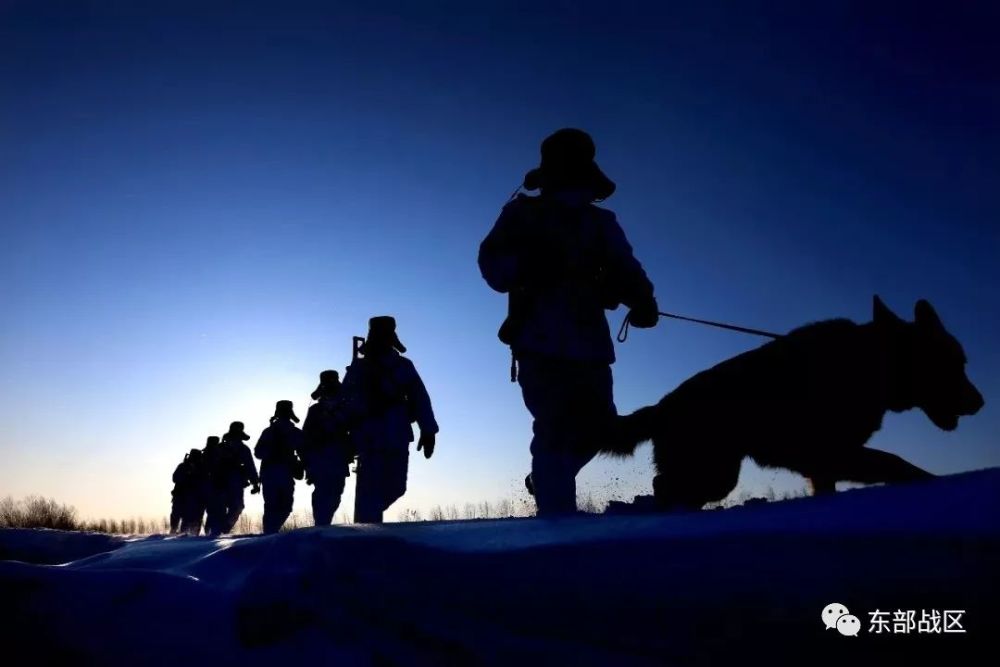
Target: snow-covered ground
pixel 743 586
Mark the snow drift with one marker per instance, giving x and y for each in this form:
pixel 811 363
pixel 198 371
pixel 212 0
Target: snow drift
pixel 745 585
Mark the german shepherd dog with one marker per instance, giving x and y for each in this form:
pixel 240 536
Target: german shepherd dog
pixel 808 401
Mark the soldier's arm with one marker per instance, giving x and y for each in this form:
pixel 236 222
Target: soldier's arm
pixel 249 468
pixel 263 448
pixel 420 400
pixel 499 256
pixel 633 286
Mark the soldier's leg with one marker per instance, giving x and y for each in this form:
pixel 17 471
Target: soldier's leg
pixel 234 508
pixel 395 467
pixel 182 527
pixel 186 510
pixel 215 519
pixel 367 492
pixel 566 401
pixel 194 520
pixel 287 500
pixel 592 411
pixel 337 485
pixel 552 463
pixel 328 486
pixel 319 474
pixel 175 515
pixel 321 502
pixel 271 491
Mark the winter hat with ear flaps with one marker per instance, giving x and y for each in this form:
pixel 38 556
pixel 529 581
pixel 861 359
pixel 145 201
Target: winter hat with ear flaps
pixel 329 382
pixel 283 410
pixel 568 163
pixel 236 429
pixel 383 328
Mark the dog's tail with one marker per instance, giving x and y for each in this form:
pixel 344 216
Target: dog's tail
pixel 632 430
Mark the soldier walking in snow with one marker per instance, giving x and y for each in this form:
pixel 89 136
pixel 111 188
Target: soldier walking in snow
pixel 232 469
pixel 187 480
pixel 327 453
pixel 563 261
pixel 278 450
pixel 381 395
pixel 215 501
pixel 192 488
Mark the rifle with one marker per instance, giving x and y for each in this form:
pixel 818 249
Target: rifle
pixel 357 344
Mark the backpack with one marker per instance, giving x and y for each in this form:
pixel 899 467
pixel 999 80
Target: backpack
pixel 379 387
pixel 545 244
pixel 282 451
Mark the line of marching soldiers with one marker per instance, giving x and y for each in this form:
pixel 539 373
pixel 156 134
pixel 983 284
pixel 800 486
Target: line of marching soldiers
pixel 367 418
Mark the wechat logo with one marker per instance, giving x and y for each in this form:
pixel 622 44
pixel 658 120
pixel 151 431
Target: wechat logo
pixel 835 616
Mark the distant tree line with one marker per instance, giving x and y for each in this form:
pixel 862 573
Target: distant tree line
pixel 39 512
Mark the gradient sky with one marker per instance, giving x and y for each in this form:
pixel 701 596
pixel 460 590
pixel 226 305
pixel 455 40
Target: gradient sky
pixel 200 207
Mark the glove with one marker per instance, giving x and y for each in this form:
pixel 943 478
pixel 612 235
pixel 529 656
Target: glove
pixel 645 316
pixel 426 443
pixel 255 489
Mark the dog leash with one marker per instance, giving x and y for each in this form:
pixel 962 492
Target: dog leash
pixel 623 332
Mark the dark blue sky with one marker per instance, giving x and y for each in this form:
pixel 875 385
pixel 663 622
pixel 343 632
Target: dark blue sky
pixel 201 206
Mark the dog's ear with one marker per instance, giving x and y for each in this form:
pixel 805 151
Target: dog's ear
pixel 926 316
pixel 882 315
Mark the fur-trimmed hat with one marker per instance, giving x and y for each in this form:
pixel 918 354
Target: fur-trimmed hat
pixel 283 410
pixel 236 430
pixel 329 383
pixel 383 328
pixel 568 163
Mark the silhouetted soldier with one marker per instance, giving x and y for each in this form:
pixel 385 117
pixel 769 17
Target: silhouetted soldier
pixel 232 469
pixel 327 453
pixel 381 395
pixel 198 484
pixel 215 496
pixel 186 481
pixel 563 261
pixel 278 450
